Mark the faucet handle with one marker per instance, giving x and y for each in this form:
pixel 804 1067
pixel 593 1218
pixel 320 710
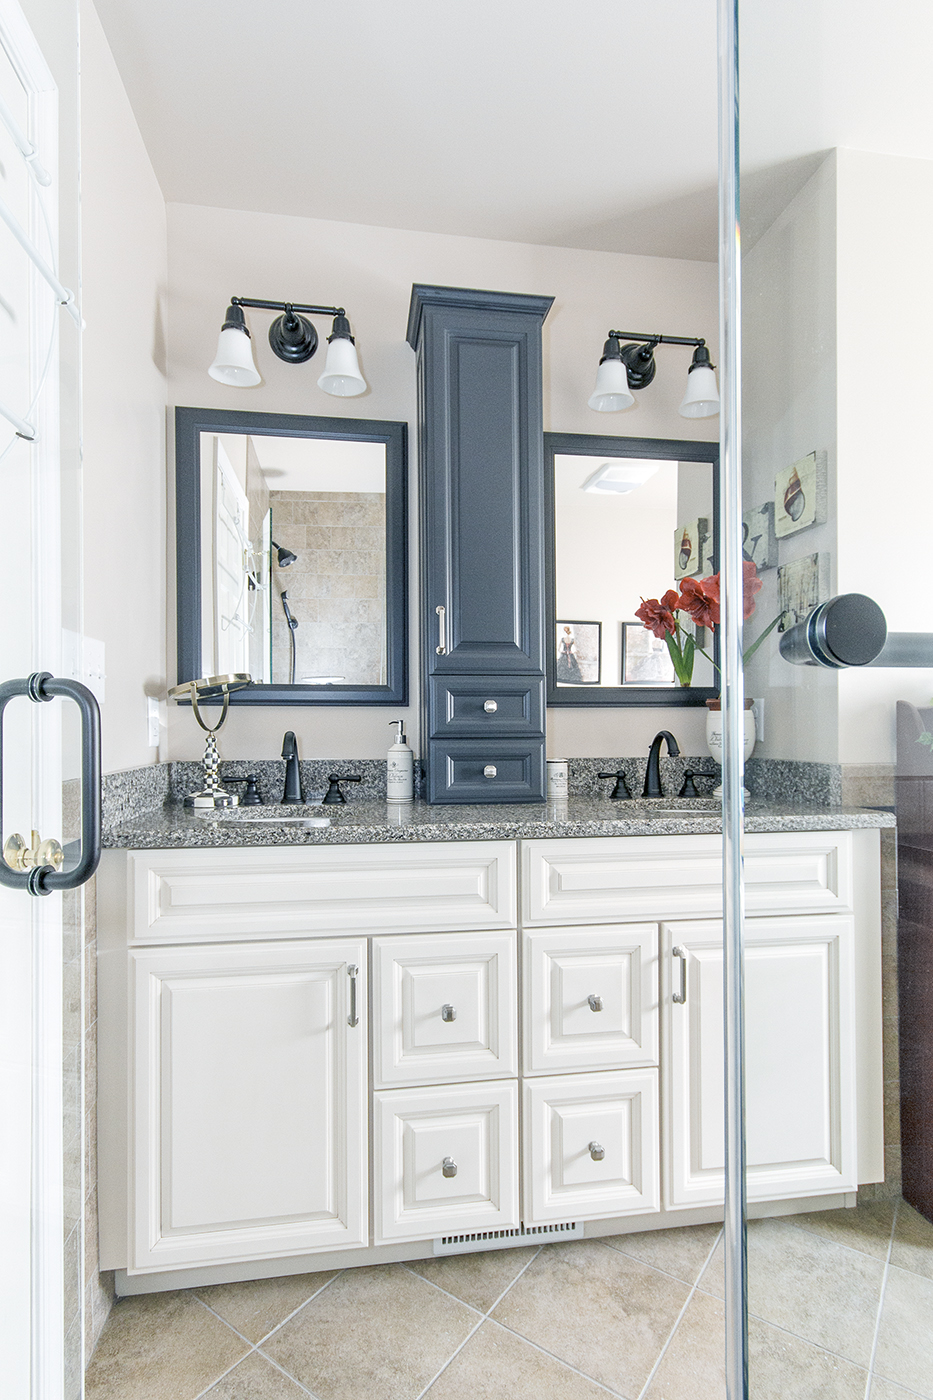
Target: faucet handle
pixel 333 793
pixel 621 789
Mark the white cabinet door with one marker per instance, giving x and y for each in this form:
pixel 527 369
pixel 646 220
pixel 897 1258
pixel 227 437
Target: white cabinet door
pixel 445 1160
pixel 800 1058
pixel 444 1008
pixel 249 1113
pixel 591 998
pixel 591 1146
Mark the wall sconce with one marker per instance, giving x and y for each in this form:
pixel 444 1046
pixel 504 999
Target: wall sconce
pixel 631 366
pixel 294 340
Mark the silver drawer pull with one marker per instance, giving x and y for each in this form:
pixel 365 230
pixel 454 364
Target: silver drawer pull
pixel 596 1151
pixel 490 770
pixel 353 972
pixel 449 1166
pixel 490 706
pixel 441 629
pixel 681 996
pixel 448 1012
pixel 595 1003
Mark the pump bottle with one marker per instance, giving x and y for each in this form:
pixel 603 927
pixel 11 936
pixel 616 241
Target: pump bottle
pixel 400 776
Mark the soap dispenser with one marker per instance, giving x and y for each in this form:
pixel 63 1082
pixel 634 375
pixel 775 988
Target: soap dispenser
pixel 400 775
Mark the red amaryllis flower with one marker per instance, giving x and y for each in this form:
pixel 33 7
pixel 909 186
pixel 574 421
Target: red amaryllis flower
pixel 751 584
pixel 700 598
pixel 658 613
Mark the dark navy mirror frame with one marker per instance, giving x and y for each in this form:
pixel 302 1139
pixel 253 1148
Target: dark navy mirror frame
pixel 590 445
pixel 189 424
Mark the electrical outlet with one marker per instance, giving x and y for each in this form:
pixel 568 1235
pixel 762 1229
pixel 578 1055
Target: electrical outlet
pixel 153 719
pixel 758 710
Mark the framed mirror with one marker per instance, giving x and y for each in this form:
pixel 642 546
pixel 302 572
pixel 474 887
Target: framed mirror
pixel 291 539
pixel 627 518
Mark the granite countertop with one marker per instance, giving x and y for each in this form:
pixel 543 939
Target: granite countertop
pixel 175 826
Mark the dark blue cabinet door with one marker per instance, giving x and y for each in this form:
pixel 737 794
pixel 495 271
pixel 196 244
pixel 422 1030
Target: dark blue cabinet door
pixel 481 453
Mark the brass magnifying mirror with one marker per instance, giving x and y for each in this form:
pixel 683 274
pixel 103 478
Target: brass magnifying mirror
pixel 210 688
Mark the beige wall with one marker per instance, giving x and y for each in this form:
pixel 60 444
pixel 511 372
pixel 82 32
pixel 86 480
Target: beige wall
pixel 789 410
pixel 885 374
pixel 124 393
pixel 215 253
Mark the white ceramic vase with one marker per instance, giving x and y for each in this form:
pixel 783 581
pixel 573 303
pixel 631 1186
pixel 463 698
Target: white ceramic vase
pixel 714 733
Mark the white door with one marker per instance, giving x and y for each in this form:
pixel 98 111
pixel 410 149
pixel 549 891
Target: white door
pixel 799 1055
pixel 31 1214
pixel 249 1101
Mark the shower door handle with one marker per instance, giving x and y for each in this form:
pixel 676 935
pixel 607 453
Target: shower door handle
pixel 38 878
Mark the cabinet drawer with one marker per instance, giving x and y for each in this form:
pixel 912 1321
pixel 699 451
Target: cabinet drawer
pixel 248 892
pixel 472 707
pixel 444 1008
pixel 486 770
pixel 446 1160
pixel 591 1146
pixel 591 998
pixel 669 877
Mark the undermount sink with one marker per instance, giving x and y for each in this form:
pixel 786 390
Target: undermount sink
pixel 269 815
pixel 247 819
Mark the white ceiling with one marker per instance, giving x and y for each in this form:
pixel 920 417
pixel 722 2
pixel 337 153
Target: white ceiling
pixel 580 123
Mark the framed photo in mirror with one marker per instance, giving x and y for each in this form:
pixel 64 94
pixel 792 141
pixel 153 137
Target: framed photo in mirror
pixel 291 555
pixel 616 512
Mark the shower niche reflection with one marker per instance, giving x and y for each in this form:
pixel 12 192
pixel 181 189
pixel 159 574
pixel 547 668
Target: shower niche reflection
pixel 297 558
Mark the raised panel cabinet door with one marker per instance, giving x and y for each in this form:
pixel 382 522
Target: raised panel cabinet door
pixel 249 1102
pixel 444 1008
pixel 590 997
pixel 800 1102
pixel 445 1160
pixel 591 1146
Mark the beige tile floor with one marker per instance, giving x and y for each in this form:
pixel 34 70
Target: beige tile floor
pixel 841 1308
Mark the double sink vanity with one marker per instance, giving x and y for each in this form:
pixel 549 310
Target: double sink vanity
pixel 425 1028
pixel 348 1034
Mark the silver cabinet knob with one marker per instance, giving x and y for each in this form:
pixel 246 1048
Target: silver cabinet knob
pixel 490 706
pixel 449 1166
pixel 595 1003
pixel 597 1151
pixel 490 770
pixel 448 1012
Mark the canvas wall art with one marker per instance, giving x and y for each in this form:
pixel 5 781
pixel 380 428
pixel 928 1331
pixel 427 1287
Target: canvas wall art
pixel 578 652
pixel 800 495
pixel 691 544
pixel 645 658
pixel 759 542
pixel 801 585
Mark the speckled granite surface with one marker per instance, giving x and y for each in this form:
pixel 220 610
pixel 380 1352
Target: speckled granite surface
pixel 358 823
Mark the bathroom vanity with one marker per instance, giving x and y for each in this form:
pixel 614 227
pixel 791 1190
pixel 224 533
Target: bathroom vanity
pixel 375 1041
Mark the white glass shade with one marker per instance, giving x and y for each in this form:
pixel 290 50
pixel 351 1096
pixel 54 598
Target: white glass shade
pixel 233 363
pixel 702 397
pixel 341 375
pixel 611 394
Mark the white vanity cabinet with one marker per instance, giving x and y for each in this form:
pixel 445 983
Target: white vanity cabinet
pixel 540 1051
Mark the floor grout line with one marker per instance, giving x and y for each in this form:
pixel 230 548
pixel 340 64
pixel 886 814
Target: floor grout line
pixel 446 1292
pixel 310 1299
pixel 617 1395
pixel 483 1318
pixel 675 1278
pixel 287 1374
pixel 207 1390
pixel 236 1332
pixel 693 1290
pixel 869 1384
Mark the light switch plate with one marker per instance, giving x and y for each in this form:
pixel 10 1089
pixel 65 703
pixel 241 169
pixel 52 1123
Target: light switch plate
pixel 758 710
pixel 83 659
pixel 154 721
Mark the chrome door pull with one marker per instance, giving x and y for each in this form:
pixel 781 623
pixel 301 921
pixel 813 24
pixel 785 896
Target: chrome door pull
pixel 441 647
pixel 596 1151
pixel 681 996
pixel 595 1003
pixel 448 1012
pixel 490 770
pixel 490 706
pixel 449 1166
pixel 353 972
